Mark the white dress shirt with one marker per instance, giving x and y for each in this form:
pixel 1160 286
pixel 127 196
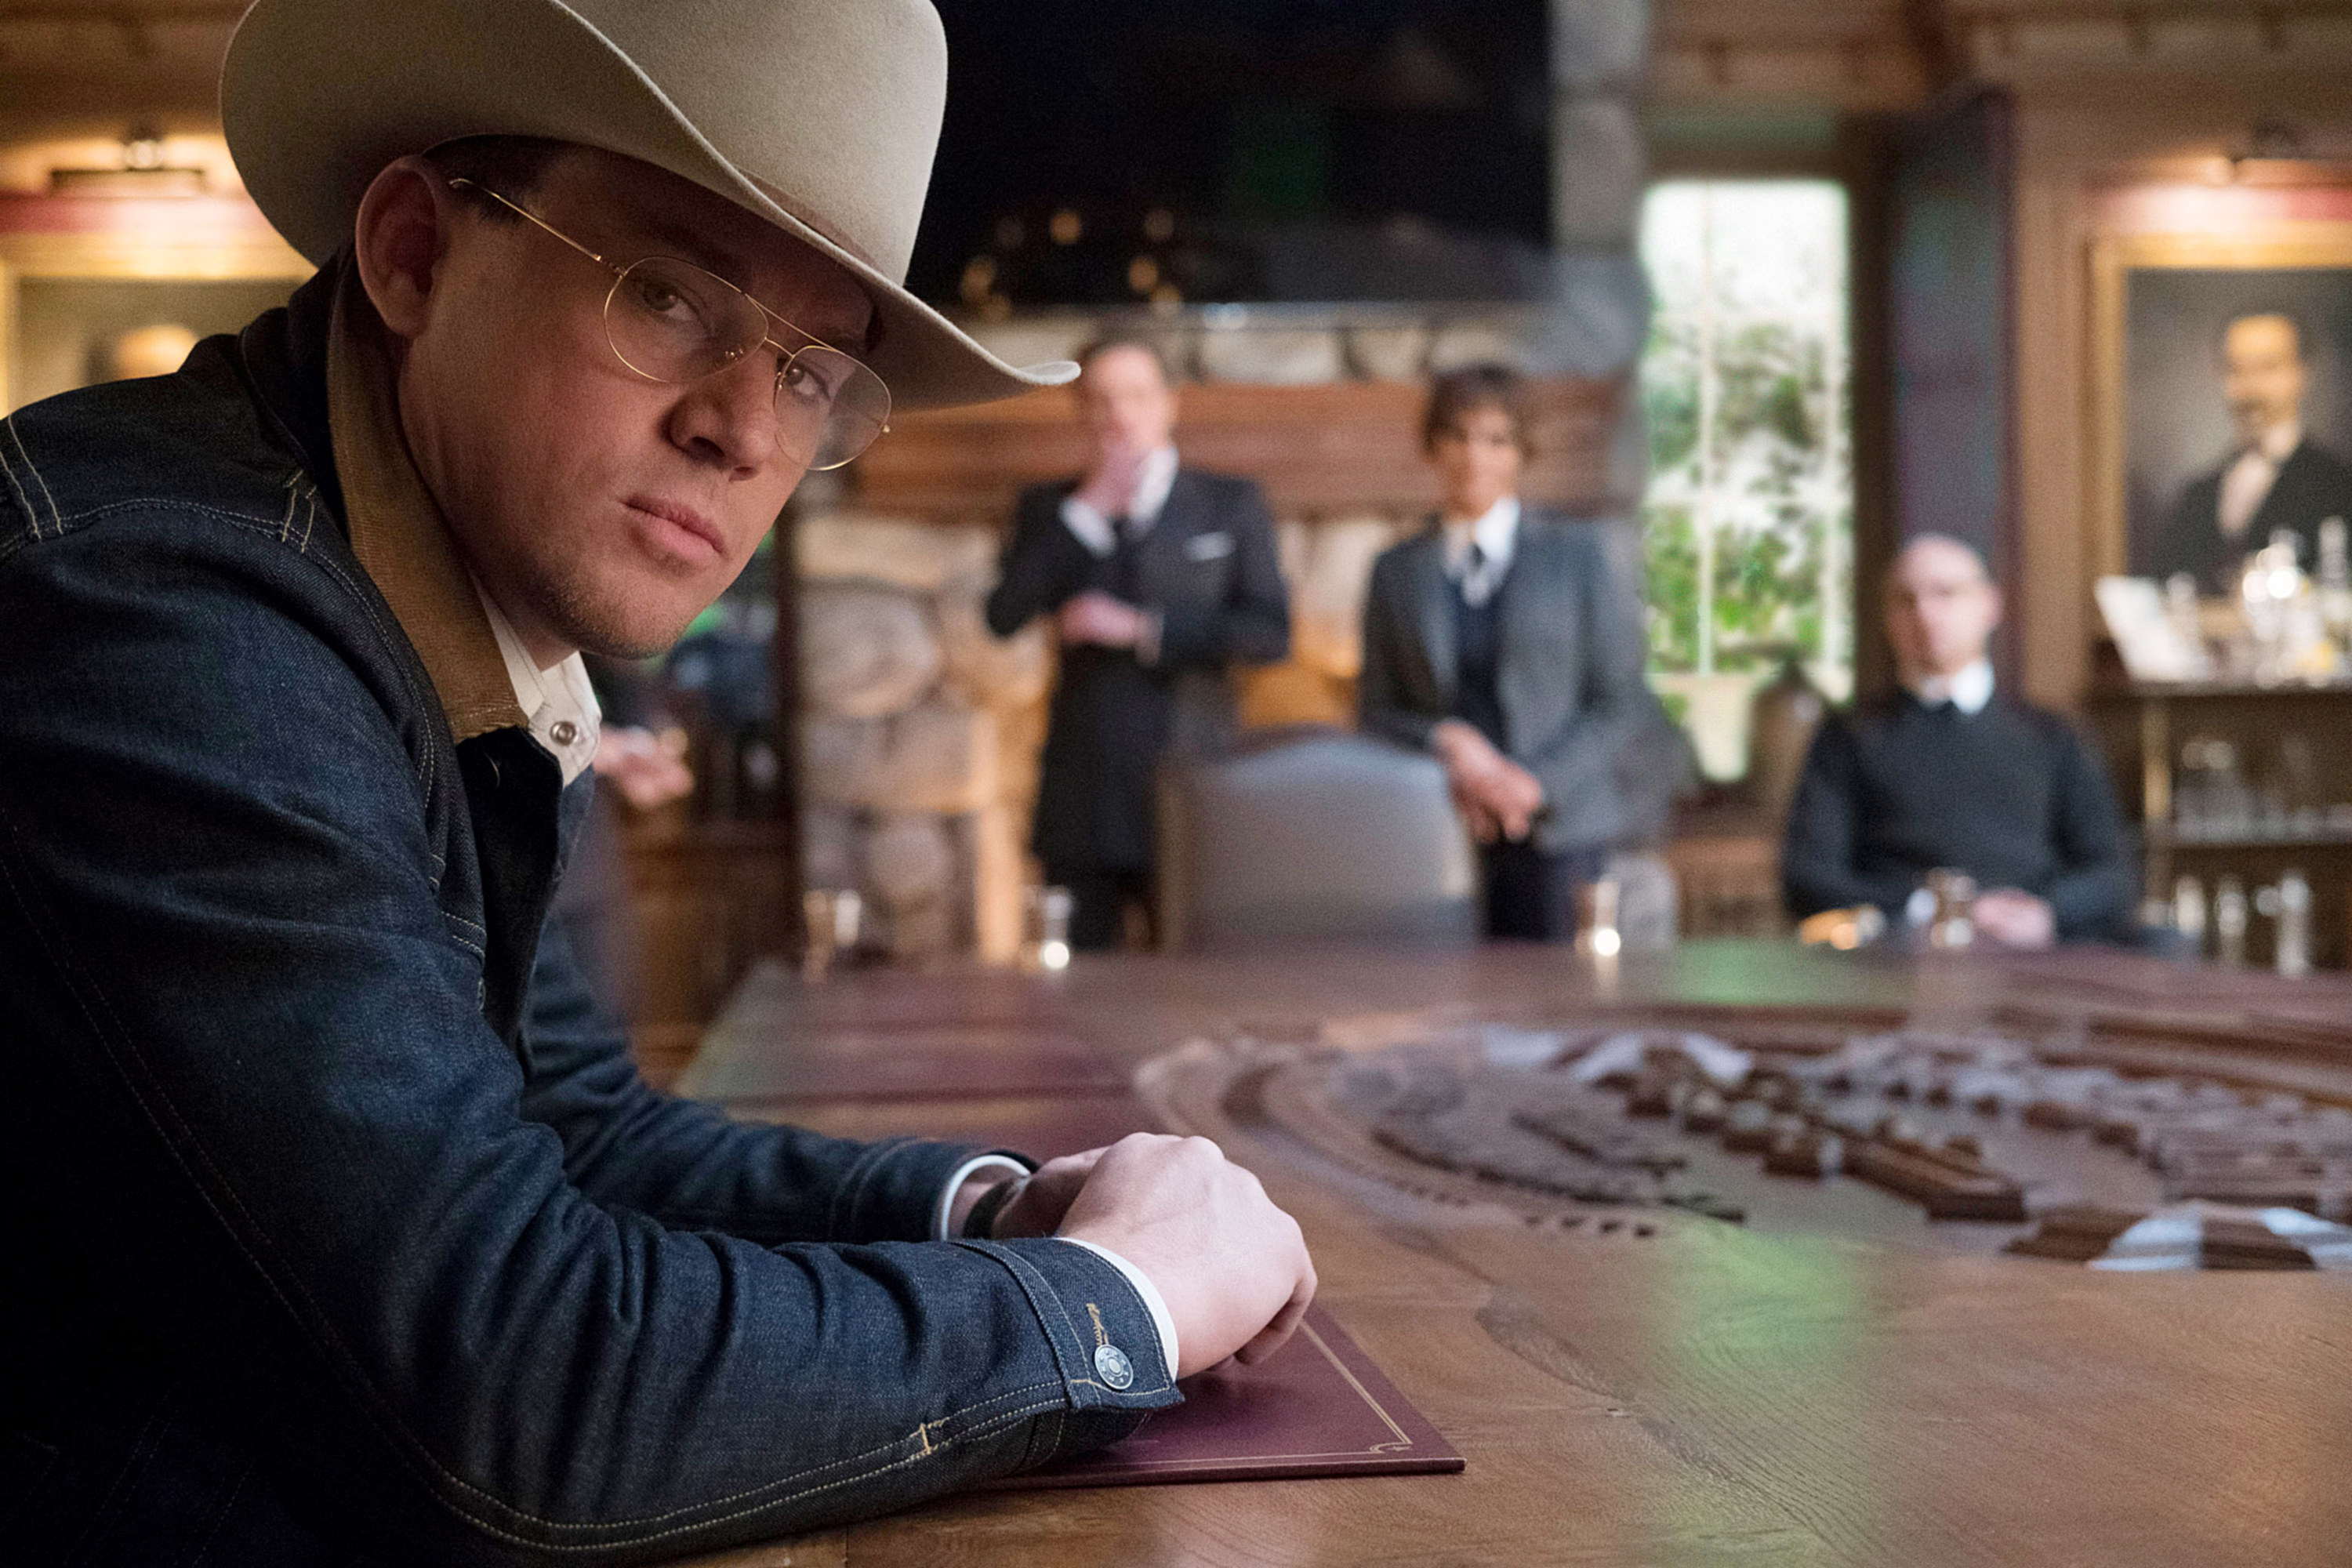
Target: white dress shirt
pixel 2247 482
pixel 1496 533
pixel 1967 690
pixel 1094 530
pixel 557 702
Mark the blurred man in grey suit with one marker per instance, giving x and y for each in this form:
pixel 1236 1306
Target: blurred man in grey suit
pixel 1159 577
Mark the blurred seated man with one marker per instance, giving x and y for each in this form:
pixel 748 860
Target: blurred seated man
pixel 1949 773
pixel 1159 577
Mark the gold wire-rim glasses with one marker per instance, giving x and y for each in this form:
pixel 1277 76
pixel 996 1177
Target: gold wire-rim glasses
pixel 867 423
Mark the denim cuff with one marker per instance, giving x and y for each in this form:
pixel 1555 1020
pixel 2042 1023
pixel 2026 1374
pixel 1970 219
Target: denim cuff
pixel 1105 1343
pixel 891 1192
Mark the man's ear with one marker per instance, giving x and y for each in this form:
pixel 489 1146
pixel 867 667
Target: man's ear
pixel 402 234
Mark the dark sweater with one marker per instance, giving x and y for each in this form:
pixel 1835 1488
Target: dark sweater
pixel 2008 795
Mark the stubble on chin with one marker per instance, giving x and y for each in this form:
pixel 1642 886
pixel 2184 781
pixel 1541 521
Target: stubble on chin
pixel 598 620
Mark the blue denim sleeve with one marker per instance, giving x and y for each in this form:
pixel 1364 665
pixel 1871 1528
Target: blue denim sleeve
pixel 247 1038
pixel 689 1165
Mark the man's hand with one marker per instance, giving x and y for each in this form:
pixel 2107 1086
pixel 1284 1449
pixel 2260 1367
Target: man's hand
pixel 1485 827
pixel 1044 1197
pixel 649 770
pixel 2015 918
pixel 1110 486
pixel 1095 618
pixel 1496 795
pixel 1233 1268
pixel 1514 796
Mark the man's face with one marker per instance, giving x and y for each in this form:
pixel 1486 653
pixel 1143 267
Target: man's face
pixel 603 510
pixel 1125 401
pixel 2263 374
pixel 1940 608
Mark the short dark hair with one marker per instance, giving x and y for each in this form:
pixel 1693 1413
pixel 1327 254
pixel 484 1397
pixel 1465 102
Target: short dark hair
pixel 511 165
pixel 1098 347
pixel 1456 393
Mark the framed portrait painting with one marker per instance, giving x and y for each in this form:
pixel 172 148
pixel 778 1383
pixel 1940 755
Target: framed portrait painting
pixel 2221 413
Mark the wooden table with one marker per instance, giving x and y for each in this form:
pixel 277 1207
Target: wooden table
pixel 1705 1394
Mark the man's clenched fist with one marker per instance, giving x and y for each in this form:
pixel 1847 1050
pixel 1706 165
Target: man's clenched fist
pixel 1233 1268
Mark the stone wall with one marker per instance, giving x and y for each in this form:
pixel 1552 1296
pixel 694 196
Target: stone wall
pixel 919 734
pixel 920 730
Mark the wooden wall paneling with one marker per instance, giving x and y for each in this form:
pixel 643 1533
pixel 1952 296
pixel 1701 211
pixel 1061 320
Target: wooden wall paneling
pixel 1327 449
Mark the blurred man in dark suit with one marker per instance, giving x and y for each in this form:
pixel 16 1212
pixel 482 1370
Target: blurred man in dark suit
pixel 2277 479
pixel 1159 577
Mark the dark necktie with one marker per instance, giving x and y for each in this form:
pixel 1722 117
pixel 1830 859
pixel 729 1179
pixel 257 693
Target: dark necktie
pixel 1475 589
pixel 1124 538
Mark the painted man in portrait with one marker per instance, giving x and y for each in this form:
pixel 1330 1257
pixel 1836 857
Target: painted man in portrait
pixel 2276 477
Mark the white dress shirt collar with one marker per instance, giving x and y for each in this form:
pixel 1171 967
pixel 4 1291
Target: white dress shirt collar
pixel 2278 443
pixel 558 703
pixel 2246 483
pixel 1968 691
pixel 1094 530
pixel 1496 533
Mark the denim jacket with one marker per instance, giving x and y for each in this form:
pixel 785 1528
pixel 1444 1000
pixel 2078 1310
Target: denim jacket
pixel 338 1226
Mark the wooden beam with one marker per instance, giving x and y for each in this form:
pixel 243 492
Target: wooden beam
pixel 1324 449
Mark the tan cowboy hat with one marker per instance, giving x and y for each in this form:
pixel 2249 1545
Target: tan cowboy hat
pixel 820 116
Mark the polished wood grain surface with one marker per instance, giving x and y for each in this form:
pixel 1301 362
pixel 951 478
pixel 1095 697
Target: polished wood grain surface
pixel 1702 1394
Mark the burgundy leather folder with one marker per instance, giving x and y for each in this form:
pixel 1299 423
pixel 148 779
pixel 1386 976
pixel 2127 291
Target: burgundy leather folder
pixel 1319 1407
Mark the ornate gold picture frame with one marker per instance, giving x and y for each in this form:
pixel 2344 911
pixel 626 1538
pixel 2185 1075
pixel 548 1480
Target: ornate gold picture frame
pixel 2141 364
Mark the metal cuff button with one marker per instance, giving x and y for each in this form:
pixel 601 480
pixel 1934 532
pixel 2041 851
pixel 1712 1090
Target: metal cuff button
pixel 1113 1367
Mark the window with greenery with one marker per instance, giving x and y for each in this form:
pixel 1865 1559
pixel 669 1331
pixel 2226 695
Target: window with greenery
pixel 1747 524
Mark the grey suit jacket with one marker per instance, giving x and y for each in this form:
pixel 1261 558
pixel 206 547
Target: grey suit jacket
pixel 1570 683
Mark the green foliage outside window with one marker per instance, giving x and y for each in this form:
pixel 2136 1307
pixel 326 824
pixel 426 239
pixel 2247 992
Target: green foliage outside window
pixel 1747 523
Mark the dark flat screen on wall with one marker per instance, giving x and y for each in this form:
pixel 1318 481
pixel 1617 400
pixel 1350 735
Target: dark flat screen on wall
pixel 1209 150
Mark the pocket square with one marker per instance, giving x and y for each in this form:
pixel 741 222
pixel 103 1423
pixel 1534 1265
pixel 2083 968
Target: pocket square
pixel 1208 546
